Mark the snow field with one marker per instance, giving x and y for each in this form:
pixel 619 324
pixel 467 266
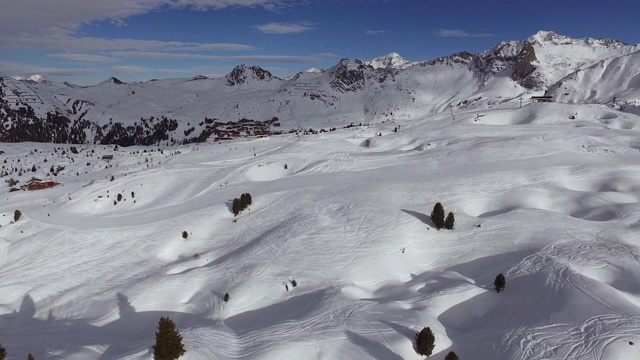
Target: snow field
pixel 537 198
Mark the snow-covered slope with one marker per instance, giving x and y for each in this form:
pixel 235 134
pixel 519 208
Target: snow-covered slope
pixel 547 194
pixel 614 81
pixel 558 55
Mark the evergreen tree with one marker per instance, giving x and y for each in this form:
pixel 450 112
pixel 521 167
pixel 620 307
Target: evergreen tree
pixel 425 342
pixel 30 357
pixel 169 344
pixel 237 206
pixel 451 356
pixel 245 200
pixel 226 297
pixel 437 216
pixel 500 282
pixel 3 353
pixel 16 215
pixel 448 222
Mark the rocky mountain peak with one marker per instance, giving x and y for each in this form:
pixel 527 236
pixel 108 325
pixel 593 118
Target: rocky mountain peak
pixel 548 37
pixel 244 74
pixel 542 38
pixel 524 65
pixel 112 80
pixel 462 58
pixel 348 75
pixel 391 61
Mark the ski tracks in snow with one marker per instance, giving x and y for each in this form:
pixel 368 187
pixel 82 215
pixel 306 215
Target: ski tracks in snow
pixel 574 266
pixel 587 341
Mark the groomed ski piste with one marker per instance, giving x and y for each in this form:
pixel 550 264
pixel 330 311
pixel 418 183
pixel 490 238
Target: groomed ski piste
pixel 547 194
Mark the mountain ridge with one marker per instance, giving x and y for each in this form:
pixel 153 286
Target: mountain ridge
pixel 352 91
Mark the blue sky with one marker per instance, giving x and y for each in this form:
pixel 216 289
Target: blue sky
pixel 88 41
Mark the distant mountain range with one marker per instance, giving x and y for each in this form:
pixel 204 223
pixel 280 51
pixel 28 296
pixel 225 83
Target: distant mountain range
pixel 353 91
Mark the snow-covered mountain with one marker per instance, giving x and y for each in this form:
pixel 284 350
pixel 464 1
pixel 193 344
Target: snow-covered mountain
pixel 34 78
pixel 614 81
pixel 382 89
pixel 391 61
pixel 558 56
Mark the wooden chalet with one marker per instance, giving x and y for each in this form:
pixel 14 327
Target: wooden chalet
pixel 37 184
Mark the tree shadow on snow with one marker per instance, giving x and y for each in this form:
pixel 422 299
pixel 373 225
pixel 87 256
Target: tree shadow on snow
pixel 424 218
pixel 229 204
pixel 402 330
pixel 295 308
pixel 484 270
pixel 490 315
pixel 375 349
pixel 131 333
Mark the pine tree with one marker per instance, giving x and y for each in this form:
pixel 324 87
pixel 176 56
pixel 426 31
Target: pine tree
pixel 245 200
pixel 500 282
pixel 30 357
pixel 169 344
pixel 451 356
pixel 425 342
pixel 16 215
pixel 437 216
pixel 3 353
pixel 237 206
pixel 448 222
pixel 226 297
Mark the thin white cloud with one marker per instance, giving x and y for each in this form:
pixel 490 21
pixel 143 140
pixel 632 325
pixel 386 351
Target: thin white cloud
pixel 212 71
pixel 49 24
pixel 248 58
pixel 220 4
pixel 42 17
pixel 72 43
pixel 459 33
pixel 285 28
pixel 329 55
pixel 375 32
pixel 82 57
pixel 129 70
pixel 11 68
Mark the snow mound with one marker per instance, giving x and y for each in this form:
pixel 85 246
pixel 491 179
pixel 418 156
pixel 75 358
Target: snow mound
pixel 268 171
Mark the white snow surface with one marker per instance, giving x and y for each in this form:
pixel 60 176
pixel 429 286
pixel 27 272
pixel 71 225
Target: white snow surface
pixel 551 202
